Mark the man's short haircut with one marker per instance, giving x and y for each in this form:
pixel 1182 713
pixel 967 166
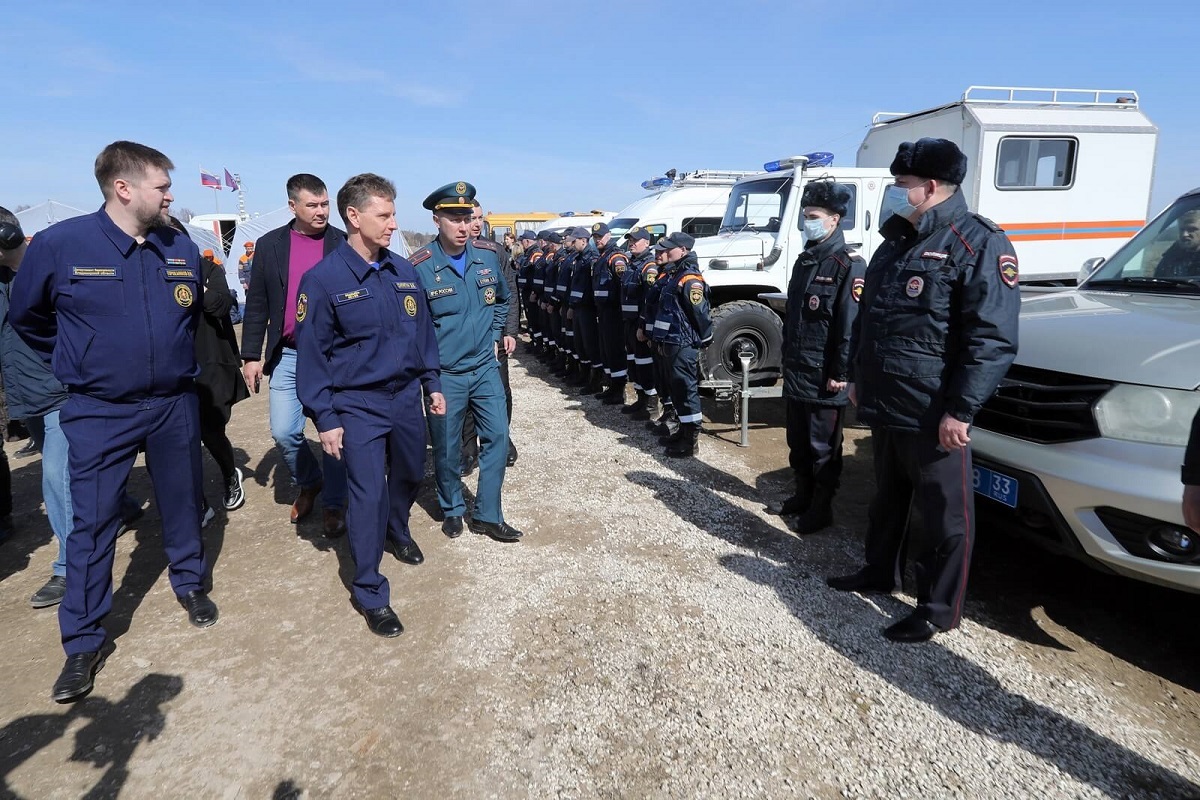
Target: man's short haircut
pixel 128 161
pixel 304 182
pixel 8 218
pixel 1190 216
pixel 359 190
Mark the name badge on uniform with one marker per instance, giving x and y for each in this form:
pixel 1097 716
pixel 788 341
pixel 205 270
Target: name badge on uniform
pixel 823 279
pixel 402 286
pixel 487 281
pixel 95 272
pixel 177 274
pixel 443 292
pixel 350 297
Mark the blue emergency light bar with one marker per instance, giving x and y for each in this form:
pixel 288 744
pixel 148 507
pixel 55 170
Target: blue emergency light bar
pixel 811 159
pixel 655 183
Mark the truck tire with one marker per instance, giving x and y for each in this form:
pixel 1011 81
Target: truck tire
pixel 745 326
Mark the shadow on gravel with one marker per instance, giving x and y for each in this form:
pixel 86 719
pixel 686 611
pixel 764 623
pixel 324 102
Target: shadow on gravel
pixel 968 695
pixel 108 740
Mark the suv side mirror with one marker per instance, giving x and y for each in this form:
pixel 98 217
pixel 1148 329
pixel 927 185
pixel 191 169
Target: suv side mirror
pixel 1090 267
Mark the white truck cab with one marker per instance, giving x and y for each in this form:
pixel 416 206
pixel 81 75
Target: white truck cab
pixel 1067 173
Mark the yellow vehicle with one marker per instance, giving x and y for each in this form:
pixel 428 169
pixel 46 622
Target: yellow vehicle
pixel 496 225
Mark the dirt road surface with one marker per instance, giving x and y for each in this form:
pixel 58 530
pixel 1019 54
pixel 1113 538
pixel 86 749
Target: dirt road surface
pixel 657 634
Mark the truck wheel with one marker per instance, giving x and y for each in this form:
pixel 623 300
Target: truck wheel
pixel 745 326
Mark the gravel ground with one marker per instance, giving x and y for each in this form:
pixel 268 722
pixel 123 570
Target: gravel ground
pixel 656 635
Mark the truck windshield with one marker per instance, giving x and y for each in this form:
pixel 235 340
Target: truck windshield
pixel 620 226
pixel 1163 257
pixel 756 205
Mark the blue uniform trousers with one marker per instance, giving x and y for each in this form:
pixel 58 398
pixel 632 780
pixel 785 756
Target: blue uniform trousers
pixel 103 440
pixel 587 335
pixel 482 392
pixel 683 369
pixel 638 360
pixel 612 341
pixel 661 367
pixel 383 446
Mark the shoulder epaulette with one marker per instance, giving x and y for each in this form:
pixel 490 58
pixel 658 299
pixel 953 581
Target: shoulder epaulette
pixel 486 244
pixel 987 223
pixel 424 254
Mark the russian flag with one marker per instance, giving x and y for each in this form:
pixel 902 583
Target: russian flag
pixel 231 181
pixel 208 179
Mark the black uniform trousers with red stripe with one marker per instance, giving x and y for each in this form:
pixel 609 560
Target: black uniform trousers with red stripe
pixel 911 470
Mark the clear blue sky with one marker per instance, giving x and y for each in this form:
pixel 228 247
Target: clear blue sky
pixel 545 105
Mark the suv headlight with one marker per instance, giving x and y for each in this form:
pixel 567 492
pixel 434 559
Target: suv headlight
pixel 1147 414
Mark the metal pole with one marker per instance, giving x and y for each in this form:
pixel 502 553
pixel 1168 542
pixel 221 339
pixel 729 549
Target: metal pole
pixel 745 359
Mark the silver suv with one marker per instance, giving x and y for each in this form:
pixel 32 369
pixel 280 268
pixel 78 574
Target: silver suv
pixel 1081 446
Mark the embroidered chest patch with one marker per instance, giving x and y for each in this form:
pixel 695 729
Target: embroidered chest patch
pixel 915 286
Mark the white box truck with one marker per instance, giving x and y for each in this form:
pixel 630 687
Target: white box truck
pixel 1066 172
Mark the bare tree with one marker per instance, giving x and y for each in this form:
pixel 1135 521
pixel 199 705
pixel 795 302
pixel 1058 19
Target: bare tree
pixel 185 214
pixel 416 240
pixel 21 208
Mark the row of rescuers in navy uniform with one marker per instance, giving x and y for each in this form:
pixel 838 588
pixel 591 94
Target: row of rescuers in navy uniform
pixel 377 336
pixel 595 316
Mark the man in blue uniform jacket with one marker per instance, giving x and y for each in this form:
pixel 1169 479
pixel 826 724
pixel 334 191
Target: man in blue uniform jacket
pixel 469 299
pixel 365 349
pixel 112 300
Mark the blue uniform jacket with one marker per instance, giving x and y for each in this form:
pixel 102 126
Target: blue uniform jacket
pixel 607 271
pixel 937 323
pixel 469 313
pixel 358 328
pixel 640 273
pixel 581 281
pixel 562 280
pixel 683 316
pixel 117 320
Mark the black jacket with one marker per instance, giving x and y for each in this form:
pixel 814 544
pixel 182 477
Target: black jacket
pixel 512 325
pixel 937 323
pixel 268 292
pixel 220 381
pixel 822 305
pixel 31 388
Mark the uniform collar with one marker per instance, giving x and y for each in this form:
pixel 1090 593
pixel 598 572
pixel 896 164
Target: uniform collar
pixel 943 214
pixel 359 266
pixel 834 243
pixel 125 243
pixel 442 260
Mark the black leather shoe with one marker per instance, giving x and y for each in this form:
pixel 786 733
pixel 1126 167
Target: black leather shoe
pixel 911 629
pixel 467 466
pixel 382 621
pixel 202 611
pixel 861 581
pixel 30 449
pixel 76 677
pixel 453 527
pixel 408 552
pixel 51 594
pixel 512 456
pixel 500 531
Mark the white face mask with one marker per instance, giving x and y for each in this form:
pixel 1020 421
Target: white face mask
pixel 895 201
pixel 814 229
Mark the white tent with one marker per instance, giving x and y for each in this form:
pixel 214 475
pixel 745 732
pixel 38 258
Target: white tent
pixel 43 215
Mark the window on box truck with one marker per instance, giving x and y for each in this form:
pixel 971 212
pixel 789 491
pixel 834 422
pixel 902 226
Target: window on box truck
pixel 1164 256
pixel 700 227
pixel 756 205
pixel 847 223
pixel 1029 163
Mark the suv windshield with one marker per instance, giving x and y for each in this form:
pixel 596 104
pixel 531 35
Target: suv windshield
pixel 756 205
pixel 1163 257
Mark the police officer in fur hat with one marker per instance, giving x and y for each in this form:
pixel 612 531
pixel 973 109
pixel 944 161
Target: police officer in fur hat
pixel 936 332
pixel 826 284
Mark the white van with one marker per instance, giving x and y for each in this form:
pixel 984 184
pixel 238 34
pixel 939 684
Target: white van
pixel 693 202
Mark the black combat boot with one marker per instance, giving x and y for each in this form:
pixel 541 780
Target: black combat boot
pixel 636 405
pixel 576 373
pixel 595 384
pixel 615 395
pixel 652 409
pixel 560 364
pixel 668 424
pixel 688 443
pixel 819 514
pixel 799 502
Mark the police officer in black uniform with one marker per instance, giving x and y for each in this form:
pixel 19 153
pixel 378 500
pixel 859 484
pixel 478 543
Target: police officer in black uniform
pixel 642 271
pixel 822 304
pixel 115 298
pixel 365 351
pixel 936 332
pixel 682 328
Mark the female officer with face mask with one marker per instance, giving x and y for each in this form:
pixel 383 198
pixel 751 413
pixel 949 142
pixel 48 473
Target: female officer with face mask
pixel 822 304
